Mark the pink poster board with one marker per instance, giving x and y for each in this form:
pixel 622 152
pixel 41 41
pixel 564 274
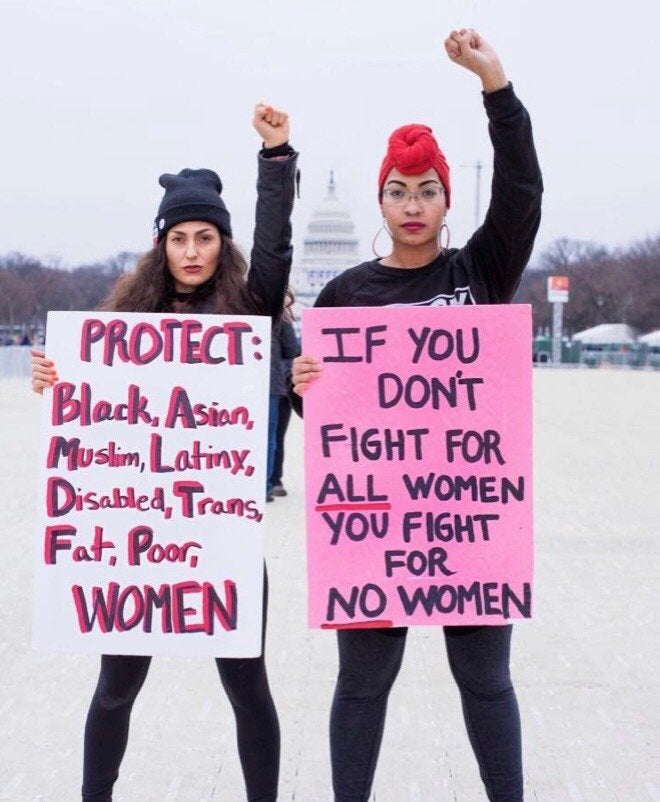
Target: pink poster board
pixel 418 465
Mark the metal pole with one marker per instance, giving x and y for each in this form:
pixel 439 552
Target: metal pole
pixel 557 315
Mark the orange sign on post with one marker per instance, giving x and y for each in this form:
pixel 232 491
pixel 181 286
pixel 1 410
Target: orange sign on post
pixel 557 289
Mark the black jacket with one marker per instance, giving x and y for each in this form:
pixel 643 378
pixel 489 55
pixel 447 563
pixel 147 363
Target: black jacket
pixel 272 251
pixel 284 348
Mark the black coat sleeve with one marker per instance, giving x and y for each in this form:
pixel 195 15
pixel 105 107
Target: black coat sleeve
pixel 288 341
pixel 272 251
pixel 500 249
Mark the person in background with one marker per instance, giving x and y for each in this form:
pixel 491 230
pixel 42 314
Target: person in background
pixel 284 348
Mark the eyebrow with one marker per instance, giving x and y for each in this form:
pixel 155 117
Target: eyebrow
pixel 403 183
pixel 199 231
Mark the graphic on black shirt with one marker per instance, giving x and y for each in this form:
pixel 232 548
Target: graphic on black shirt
pixel 462 296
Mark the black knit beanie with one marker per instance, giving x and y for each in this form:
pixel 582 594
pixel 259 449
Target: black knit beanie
pixel 191 195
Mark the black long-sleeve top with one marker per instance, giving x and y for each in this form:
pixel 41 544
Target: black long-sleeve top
pixel 487 269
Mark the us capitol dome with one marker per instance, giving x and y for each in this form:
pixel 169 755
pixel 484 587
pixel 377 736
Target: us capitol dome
pixel 329 247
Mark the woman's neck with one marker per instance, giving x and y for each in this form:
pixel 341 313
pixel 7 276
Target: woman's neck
pixel 411 256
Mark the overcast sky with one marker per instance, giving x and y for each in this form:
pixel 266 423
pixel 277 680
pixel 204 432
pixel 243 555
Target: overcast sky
pixel 101 96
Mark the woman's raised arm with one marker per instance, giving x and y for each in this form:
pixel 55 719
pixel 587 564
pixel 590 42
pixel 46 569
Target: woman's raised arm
pixel 501 247
pixel 272 251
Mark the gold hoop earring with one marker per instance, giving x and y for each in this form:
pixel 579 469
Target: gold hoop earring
pixel 444 227
pixel 374 240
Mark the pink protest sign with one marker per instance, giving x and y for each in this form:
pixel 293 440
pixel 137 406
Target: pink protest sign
pixel 149 536
pixel 418 464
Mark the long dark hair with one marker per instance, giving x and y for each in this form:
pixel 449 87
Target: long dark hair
pixel 151 287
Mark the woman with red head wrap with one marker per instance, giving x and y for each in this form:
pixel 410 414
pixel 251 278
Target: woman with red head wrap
pixel 412 150
pixel 421 269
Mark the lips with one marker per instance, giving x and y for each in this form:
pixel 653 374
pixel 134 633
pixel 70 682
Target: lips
pixel 412 227
pixel 192 269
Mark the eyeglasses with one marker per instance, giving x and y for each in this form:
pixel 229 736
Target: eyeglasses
pixel 428 196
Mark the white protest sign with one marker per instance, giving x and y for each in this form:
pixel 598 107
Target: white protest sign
pixel 149 536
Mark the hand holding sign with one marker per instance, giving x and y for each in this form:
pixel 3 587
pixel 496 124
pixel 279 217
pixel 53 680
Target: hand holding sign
pixel 43 371
pixel 303 372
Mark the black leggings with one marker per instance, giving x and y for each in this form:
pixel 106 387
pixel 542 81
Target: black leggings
pixel 369 661
pixel 283 418
pixel 246 685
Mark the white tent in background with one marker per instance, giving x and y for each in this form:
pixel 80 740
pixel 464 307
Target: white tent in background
pixel 607 334
pixel 652 338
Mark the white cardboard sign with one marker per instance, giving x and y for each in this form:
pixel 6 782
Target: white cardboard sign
pixel 149 536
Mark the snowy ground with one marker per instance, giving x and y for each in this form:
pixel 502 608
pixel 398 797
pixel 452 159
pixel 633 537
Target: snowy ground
pixel 585 669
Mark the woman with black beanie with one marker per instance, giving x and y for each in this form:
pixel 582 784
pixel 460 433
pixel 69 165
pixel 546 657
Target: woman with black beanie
pixel 422 270
pixel 194 267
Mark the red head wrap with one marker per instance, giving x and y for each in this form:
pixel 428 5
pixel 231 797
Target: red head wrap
pixel 412 150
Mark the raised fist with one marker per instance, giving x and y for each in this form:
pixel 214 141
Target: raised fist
pixel 469 49
pixel 271 124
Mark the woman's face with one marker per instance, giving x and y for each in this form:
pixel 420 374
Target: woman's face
pixel 193 253
pixel 414 207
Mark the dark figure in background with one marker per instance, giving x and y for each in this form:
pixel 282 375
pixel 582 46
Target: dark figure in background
pixel 284 348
